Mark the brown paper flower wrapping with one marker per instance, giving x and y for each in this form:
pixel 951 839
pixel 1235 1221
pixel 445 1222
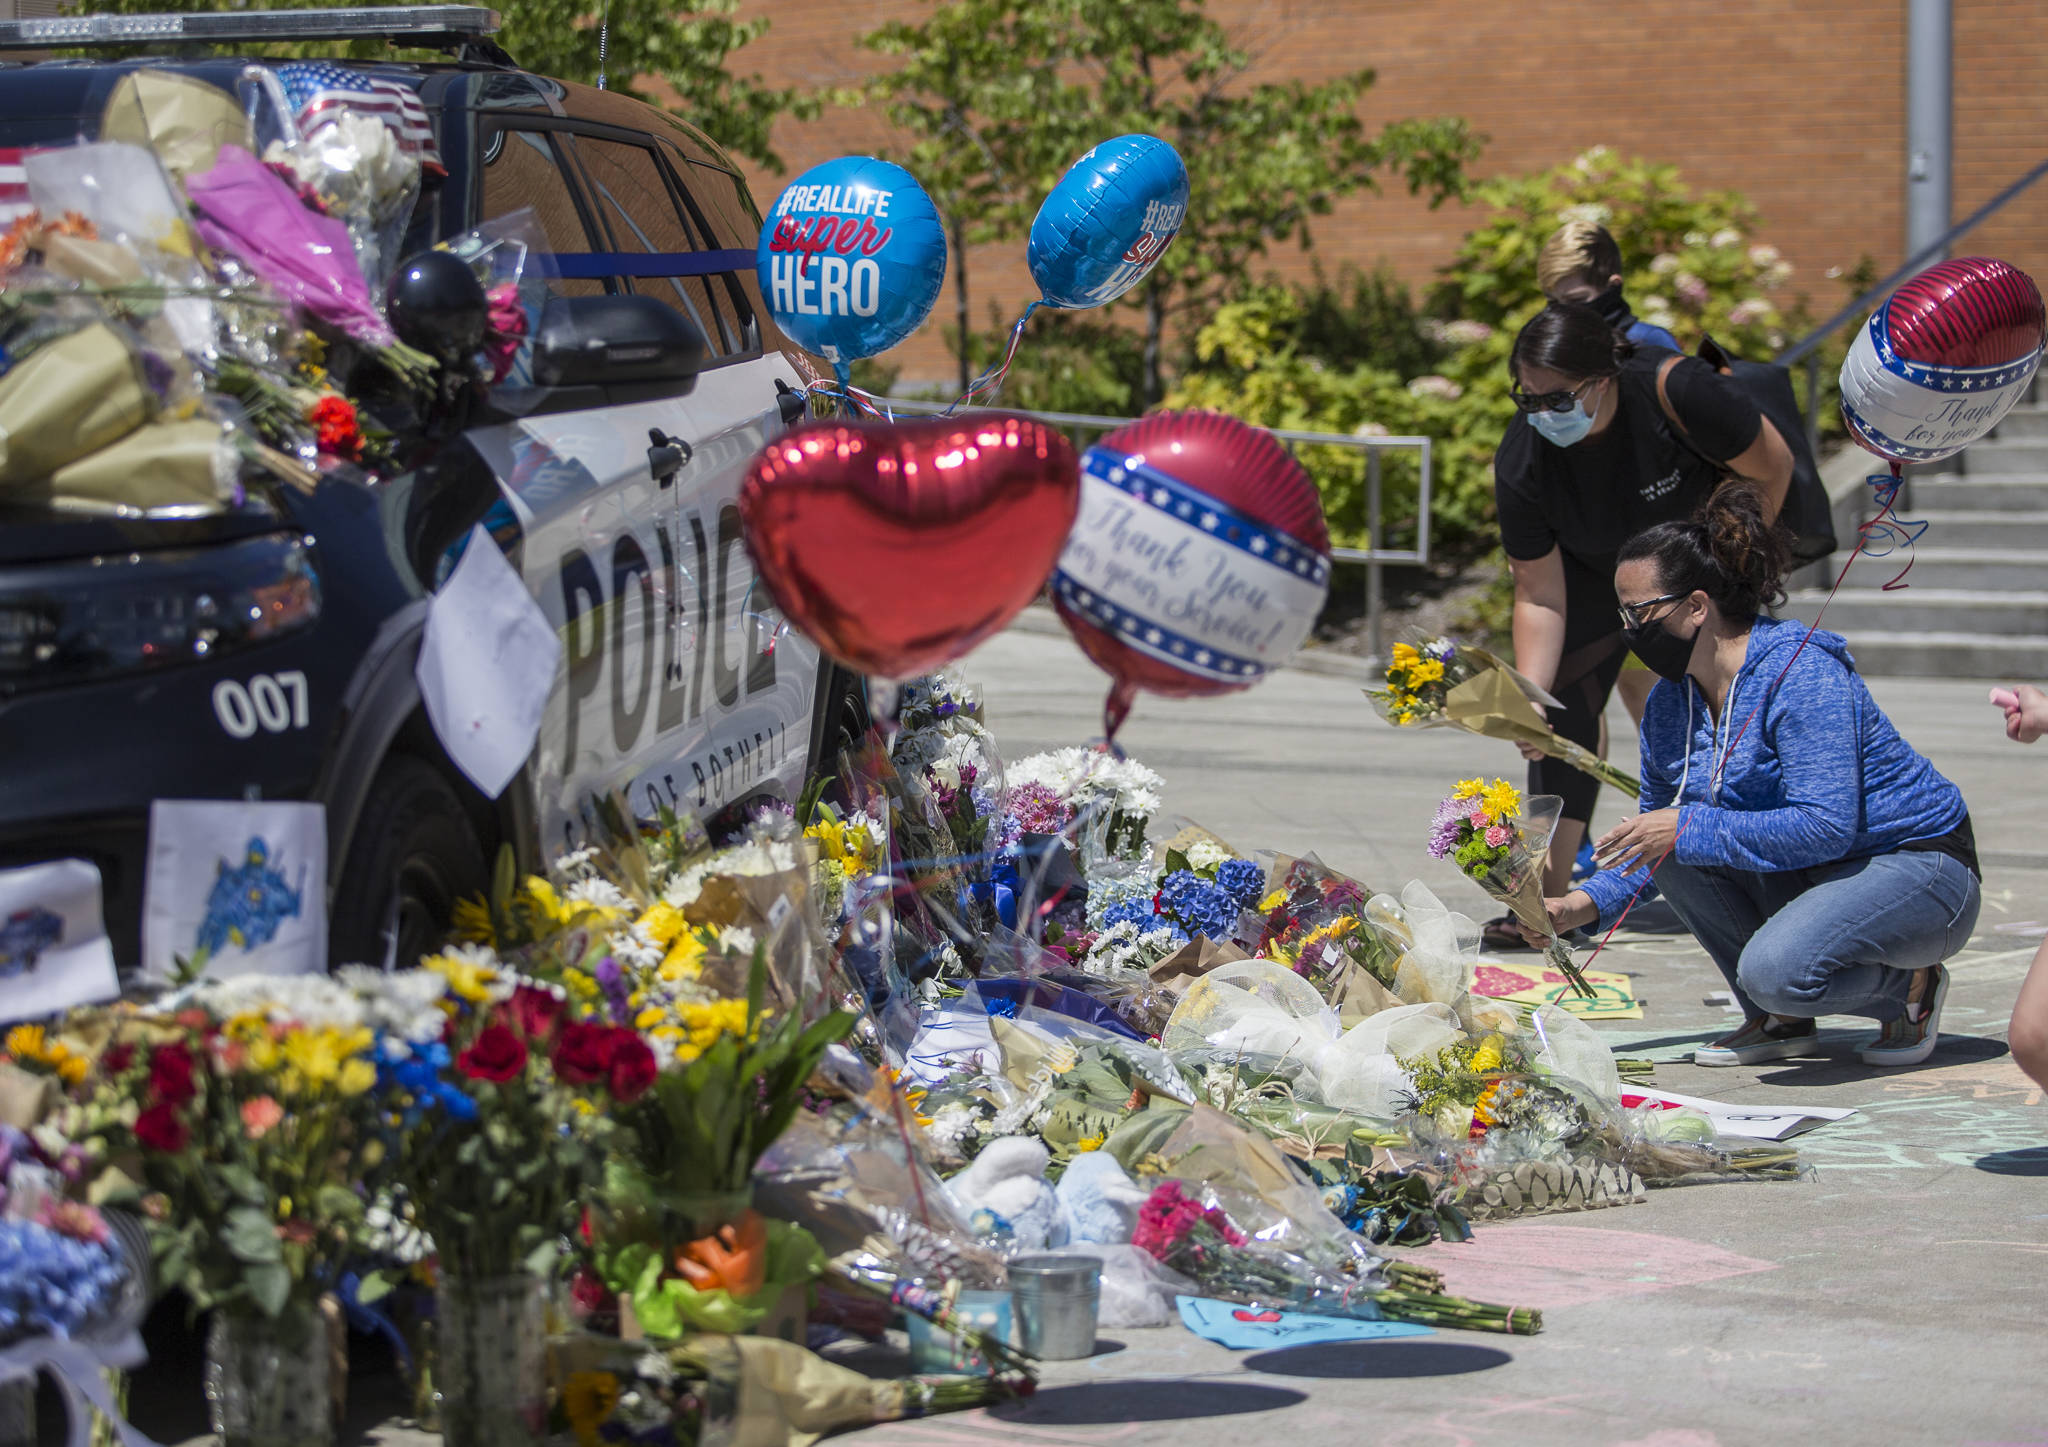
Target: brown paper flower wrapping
pixel 184 466
pixel 69 398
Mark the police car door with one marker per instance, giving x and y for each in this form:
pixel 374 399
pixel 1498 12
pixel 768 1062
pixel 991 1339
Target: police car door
pixel 679 686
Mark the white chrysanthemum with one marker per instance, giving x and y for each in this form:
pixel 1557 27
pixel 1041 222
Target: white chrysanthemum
pixel 404 1005
pixel 737 940
pixel 634 949
pixel 756 857
pixel 600 894
pixel 315 1001
pixel 1204 855
pixel 572 865
pixel 951 1124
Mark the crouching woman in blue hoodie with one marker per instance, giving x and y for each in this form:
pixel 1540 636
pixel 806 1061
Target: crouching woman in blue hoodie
pixel 1823 863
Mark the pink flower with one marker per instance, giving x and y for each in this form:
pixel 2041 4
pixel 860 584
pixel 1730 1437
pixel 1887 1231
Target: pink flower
pixel 74 1219
pixel 1498 836
pixel 260 1115
pixel 1478 818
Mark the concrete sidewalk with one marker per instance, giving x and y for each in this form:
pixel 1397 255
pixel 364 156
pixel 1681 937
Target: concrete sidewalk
pixel 1891 1297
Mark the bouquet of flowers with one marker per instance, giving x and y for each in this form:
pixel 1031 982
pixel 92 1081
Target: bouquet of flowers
pixel 1501 842
pixel 1443 683
pixel 1195 1236
pixel 676 1228
pixel 689 1392
pixel 1113 796
pixel 1314 920
pixel 492 1100
pixel 62 1270
pixel 242 1109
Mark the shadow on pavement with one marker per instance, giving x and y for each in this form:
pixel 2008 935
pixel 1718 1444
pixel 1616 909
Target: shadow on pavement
pixel 1366 1359
pixel 1846 1069
pixel 1091 1404
pixel 2032 1161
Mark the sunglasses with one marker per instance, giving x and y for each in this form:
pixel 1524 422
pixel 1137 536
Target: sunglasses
pixel 1548 401
pixel 1632 614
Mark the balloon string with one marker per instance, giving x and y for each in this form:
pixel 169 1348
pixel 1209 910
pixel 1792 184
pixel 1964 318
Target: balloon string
pixel 1116 708
pixel 1887 525
pixel 991 381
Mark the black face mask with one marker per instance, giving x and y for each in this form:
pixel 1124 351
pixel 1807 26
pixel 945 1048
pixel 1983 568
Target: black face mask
pixel 1662 653
pixel 1612 307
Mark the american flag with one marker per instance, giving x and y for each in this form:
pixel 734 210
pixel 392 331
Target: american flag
pixel 14 202
pixel 315 85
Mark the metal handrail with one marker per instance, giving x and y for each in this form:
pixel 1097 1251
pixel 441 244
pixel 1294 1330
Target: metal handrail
pixel 1807 348
pixel 1373 556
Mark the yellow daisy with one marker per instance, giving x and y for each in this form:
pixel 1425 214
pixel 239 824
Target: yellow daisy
pixel 1503 800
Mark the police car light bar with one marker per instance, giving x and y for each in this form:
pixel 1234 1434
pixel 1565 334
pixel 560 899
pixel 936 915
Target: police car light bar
pixel 426 25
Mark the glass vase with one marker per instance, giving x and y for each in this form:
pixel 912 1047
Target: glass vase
pixel 267 1378
pixel 490 1360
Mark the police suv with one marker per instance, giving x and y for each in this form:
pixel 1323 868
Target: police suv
pixel 269 652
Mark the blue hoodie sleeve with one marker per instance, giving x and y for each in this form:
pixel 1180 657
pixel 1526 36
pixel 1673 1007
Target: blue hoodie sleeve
pixel 1813 727
pixel 1612 889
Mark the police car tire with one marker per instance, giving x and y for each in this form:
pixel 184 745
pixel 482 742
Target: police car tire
pixel 413 841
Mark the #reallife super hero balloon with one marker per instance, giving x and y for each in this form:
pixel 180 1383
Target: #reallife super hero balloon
pixel 1200 558
pixel 898 546
pixel 851 259
pixel 1109 220
pixel 1942 360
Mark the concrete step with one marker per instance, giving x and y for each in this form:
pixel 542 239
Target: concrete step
pixel 1977 569
pixel 2010 453
pixel 1881 653
pixel 1950 528
pixel 1977 613
pixel 1980 490
pixel 2023 422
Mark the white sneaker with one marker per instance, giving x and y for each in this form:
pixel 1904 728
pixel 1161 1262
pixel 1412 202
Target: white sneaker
pixel 1758 1041
pixel 1907 1041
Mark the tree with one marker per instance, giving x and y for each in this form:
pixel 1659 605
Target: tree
pixel 970 93
pixel 1050 78
pixel 674 53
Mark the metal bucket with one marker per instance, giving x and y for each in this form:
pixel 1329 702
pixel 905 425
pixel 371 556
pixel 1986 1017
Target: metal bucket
pixel 1056 1299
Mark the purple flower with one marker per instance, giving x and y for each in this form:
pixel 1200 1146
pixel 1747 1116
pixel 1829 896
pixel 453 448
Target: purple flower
pixel 1441 649
pixel 1038 810
pixel 618 990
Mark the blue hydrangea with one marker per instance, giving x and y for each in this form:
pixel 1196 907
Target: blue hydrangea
pixel 50 1283
pixel 1241 881
pixel 1201 908
pixel 1131 911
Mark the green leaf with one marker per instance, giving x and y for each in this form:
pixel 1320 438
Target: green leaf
pixel 373 1286
pixel 270 1285
pixel 250 1236
pixel 338 1203
pixel 242 1182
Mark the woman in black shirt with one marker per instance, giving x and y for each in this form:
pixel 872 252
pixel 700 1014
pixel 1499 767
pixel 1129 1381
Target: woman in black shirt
pixel 1593 457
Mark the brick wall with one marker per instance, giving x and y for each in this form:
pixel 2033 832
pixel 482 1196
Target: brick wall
pixel 1799 104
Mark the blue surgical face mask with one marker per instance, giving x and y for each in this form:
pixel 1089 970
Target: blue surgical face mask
pixel 1563 428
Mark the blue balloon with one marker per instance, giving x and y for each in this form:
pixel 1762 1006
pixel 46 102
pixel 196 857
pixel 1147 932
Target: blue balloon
pixel 852 257
pixel 1107 223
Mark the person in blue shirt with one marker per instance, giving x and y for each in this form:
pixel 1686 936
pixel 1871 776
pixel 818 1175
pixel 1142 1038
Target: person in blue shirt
pixel 1826 866
pixel 1581 262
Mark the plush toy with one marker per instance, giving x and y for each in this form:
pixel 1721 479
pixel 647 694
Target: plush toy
pixel 1003 1192
pixel 1098 1202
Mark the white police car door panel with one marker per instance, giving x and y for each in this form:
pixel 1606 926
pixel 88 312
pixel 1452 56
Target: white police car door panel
pixel 679 684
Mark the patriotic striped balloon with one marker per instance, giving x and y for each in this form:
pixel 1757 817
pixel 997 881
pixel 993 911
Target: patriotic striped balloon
pixel 1199 560
pixel 1943 360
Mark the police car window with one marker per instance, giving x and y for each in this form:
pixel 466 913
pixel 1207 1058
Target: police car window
pixel 636 205
pixel 521 170
pixel 722 203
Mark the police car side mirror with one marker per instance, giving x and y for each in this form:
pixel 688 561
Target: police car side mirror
pixel 628 340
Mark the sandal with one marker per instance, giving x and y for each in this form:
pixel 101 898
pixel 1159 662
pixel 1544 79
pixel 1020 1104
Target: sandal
pixel 1502 935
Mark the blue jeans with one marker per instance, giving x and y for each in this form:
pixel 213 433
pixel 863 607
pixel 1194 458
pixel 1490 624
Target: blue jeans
pixel 1839 939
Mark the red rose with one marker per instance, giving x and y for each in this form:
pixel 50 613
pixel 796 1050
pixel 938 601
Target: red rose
pixel 170 1074
pixel 583 1054
pixel 633 1068
pixel 117 1057
pixel 588 1294
pixel 536 1014
pixel 496 1054
pixel 161 1128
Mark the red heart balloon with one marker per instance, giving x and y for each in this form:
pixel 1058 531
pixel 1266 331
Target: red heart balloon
pixel 898 546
